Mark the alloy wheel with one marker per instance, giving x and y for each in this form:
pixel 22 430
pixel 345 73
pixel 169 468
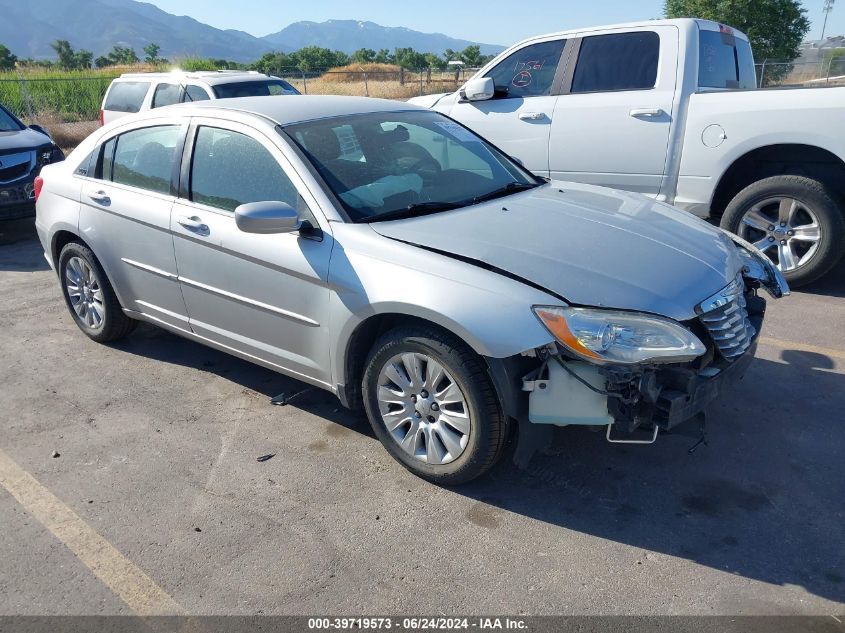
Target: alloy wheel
pixel 84 292
pixel 783 228
pixel 424 409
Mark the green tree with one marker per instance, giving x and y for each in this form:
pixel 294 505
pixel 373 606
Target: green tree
pixel 152 50
pixel 472 57
pixel 7 60
pixel 409 58
pixel 363 56
pixel 775 28
pixel 434 61
pixel 65 53
pixel 83 58
pixel 384 57
pixel 314 57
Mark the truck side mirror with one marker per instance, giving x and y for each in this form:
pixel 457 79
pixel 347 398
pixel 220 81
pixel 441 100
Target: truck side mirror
pixel 479 89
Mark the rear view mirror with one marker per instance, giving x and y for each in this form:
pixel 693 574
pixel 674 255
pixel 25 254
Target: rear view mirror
pixel 479 89
pixel 267 217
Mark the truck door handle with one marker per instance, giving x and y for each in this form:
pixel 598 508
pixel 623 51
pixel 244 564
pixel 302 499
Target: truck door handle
pixel 646 113
pixel 100 197
pixel 531 116
pixel 193 224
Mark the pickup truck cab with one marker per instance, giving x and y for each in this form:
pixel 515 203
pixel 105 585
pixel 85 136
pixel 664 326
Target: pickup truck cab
pixel 670 109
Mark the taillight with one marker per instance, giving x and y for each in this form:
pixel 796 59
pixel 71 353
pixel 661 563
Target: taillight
pixel 39 184
pixel 102 118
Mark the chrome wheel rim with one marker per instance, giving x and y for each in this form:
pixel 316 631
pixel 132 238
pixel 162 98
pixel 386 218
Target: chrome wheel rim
pixel 785 229
pixel 84 293
pixel 423 408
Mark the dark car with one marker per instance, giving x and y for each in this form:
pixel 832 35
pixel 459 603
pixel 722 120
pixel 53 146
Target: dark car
pixel 23 152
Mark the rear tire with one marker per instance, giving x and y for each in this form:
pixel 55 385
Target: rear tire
pixel 810 210
pixel 90 297
pixel 420 420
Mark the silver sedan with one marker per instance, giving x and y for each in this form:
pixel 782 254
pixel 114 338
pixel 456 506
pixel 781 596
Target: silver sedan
pixel 388 254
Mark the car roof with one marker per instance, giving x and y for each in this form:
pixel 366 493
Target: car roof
pixel 289 109
pixel 211 78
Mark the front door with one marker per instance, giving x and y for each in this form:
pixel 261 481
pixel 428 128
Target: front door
pixel 519 118
pixel 263 295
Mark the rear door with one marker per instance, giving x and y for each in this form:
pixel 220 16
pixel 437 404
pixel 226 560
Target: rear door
pixel 612 121
pixel 125 216
pixel 519 118
pixel 263 295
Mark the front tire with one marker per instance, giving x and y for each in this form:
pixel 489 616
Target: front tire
pixel 794 220
pixel 89 296
pixel 431 403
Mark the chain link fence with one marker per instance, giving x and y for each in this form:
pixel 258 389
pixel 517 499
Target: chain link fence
pixel 826 72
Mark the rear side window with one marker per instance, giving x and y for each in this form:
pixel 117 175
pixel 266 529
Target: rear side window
pixel 624 61
pixel 530 71
pixel 268 88
pixel 725 61
pixel 230 169
pixel 144 158
pixel 194 93
pixel 127 96
pixel 165 95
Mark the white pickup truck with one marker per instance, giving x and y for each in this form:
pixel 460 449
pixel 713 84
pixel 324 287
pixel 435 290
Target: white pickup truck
pixel 670 109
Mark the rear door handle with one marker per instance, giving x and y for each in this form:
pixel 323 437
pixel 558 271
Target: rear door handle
pixel 193 224
pixel 100 197
pixel 531 116
pixel 646 113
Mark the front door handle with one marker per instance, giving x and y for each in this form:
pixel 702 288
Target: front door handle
pixel 99 196
pixel 193 224
pixel 531 116
pixel 646 113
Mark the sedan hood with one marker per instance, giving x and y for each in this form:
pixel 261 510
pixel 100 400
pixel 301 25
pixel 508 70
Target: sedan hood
pixel 22 140
pixel 589 245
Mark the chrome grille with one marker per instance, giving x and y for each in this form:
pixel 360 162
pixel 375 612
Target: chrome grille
pixel 728 322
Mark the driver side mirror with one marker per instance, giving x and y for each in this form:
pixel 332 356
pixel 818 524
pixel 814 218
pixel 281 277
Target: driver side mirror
pixel 479 89
pixel 267 217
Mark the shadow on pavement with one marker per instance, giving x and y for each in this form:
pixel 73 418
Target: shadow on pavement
pixel 20 250
pixel 764 500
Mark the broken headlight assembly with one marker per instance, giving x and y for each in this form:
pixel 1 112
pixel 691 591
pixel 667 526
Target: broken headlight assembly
pixel 755 265
pixel 611 336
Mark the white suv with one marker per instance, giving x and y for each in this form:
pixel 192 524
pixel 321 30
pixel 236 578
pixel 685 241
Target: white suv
pixel 136 92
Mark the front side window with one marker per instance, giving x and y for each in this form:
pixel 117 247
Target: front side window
pixel 623 61
pixel 165 95
pixel 143 158
pixel 530 71
pixel 230 169
pixel 405 162
pixel 263 88
pixel 127 96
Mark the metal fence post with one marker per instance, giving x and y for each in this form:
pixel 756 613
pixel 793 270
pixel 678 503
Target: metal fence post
pixel 366 85
pixel 26 97
pixel 421 81
pixel 829 66
pixel 763 73
pixel 304 83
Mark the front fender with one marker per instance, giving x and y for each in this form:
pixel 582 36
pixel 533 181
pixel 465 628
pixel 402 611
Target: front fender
pixel 372 275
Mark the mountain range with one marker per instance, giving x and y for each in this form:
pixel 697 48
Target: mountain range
pixel 27 29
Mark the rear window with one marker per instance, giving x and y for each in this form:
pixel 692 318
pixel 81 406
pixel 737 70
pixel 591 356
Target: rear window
pixel 725 61
pixel 624 61
pixel 269 88
pixel 127 96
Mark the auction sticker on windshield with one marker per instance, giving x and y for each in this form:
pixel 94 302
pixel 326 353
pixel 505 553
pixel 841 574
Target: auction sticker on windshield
pixel 458 132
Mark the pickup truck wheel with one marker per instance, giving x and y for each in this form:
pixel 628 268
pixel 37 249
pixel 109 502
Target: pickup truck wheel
pixel 89 296
pixel 794 220
pixel 431 403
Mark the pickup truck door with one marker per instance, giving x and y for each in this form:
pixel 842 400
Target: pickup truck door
pixel 518 119
pixel 612 120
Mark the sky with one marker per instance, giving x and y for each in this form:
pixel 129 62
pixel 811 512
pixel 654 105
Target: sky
pixel 487 21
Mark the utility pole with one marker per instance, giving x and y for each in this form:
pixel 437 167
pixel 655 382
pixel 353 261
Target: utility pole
pixel 828 7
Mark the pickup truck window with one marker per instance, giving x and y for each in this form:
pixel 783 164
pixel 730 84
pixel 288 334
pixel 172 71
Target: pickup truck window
pixel 624 61
pixel 530 71
pixel 725 62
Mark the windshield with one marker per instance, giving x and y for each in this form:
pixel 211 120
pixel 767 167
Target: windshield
pixel 268 88
pixel 387 164
pixel 8 123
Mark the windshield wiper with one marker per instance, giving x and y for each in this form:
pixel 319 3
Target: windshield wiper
pixel 511 187
pixel 415 210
